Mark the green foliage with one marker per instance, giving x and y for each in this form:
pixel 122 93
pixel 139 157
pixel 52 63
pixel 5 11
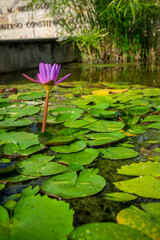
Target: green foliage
pixel 110 30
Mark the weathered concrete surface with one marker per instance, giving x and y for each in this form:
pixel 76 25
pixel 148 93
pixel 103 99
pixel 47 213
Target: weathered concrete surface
pixel 18 55
pixel 17 21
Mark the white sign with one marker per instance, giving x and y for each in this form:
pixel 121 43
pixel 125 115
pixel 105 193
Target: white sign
pixel 19 22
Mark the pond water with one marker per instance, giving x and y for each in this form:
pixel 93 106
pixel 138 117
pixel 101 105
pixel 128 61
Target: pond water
pixel 97 208
pixel 144 73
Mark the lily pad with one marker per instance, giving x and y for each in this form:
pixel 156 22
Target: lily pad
pixel 102 113
pixel 22 139
pixel 137 110
pixel 103 231
pixel 65 110
pixel 13 122
pixel 14 177
pixel 7 167
pixel 73 147
pixel 152 118
pixel 106 126
pixel 2 186
pixel 55 217
pixel 120 197
pixel 141 169
pixel 14 149
pixel 146 222
pixel 154 125
pixel 109 137
pixel 69 185
pixel 83 157
pixel 40 165
pixel 60 140
pixel 32 96
pixel 146 186
pixel 20 112
pixel 118 153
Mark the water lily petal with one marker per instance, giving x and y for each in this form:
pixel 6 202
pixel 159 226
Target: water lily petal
pixel 57 72
pixel 42 71
pixel 29 78
pixel 53 70
pixel 40 80
pixel 47 72
pixel 62 78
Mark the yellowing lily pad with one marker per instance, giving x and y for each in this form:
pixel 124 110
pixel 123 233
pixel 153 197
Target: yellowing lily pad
pixel 141 169
pixel 69 185
pixel 146 222
pixel 106 231
pixel 146 186
pixel 120 197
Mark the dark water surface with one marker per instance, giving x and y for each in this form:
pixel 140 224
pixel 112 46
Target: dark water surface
pixel 131 73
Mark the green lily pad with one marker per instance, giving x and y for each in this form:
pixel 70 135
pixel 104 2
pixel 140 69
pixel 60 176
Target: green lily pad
pixel 2 186
pixel 5 160
pixel 120 197
pixel 153 118
pixel 1 118
pixel 137 110
pixel 55 217
pixel 69 185
pixel 146 186
pixel 73 147
pixel 79 123
pixel 13 122
pixel 102 106
pixel 64 110
pixel 20 112
pixel 109 137
pixel 22 139
pixel 40 165
pixel 14 177
pixel 106 126
pixel 137 129
pixel 60 140
pixel 102 113
pixel 151 92
pixel 103 231
pixel 141 169
pixel 14 149
pixel 32 96
pixel 83 157
pixel 118 153
pixel 67 116
pixel 146 222
pixel 7 167
pixel 154 125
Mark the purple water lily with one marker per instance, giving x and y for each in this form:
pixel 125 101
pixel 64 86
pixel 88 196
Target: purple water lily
pixel 47 76
pixel 47 73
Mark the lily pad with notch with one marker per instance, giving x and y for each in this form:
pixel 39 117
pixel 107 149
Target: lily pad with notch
pixel 70 185
pixel 118 153
pixel 73 147
pixel 106 126
pixel 40 165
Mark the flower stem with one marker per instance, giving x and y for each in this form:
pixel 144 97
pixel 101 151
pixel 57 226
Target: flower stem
pixel 45 111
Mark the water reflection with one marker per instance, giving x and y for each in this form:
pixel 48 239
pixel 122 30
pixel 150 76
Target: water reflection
pixel 132 73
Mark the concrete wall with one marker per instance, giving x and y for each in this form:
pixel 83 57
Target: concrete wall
pixel 18 55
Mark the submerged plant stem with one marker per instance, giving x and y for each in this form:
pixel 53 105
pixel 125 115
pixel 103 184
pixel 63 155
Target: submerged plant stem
pixel 45 111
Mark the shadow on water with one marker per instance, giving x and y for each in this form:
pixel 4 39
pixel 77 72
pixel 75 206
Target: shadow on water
pixel 131 73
